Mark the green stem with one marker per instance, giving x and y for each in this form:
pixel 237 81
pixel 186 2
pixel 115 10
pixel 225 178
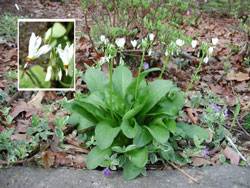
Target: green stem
pixel 138 76
pixel 164 66
pixel 110 87
pixel 195 75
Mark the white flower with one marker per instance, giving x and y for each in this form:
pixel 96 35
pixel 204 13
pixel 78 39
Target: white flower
pixel 151 37
pixel 34 50
pixel 179 42
pixel 166 53
pixel 120 42
pixel 102 38
pixel 60 74
pixel 205 60
pixel 194 43
pixel 66 55
pixel 210 50
pixel 134 43
pixel 215 41
pixel 48 75
pixel 16 6
pixel 150 52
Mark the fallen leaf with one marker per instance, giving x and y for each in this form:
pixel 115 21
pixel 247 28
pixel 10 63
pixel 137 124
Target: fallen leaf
pixel 197 161
pixel 24 107
pixel 237 76
pixel 36 101
pixel 48 159
pixel 229 153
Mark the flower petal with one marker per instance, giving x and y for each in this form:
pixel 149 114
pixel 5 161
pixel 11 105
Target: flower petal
pixel 48 75
pixel 43 50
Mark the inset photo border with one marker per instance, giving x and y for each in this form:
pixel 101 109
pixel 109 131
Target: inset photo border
pixel 46 54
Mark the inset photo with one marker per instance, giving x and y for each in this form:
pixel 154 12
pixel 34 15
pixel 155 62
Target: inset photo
pixel 46 49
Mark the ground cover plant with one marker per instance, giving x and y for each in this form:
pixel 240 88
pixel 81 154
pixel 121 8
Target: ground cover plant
pixel 157 87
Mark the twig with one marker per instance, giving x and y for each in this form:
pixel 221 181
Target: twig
pixel 183 172
pixel 90 38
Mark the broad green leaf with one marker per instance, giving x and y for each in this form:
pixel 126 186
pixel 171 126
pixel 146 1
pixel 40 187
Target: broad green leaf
pixel 58 30
pixel 122 77
pixel 131 113
pixel 74 119
pixel 95 111
pixel 131 88
pixel 119 149
pixel 171 125
pixel 96 156
pixel 59 133
pixel 160 133
pixel 138 157
pixel 96 99
pixel 142 137
pixel 105 134
pixel 190 131
pixel 96 80
pixel 129 128
pixel 76 108
pixel 34 78
pixel 131 171
pixel 158 89
pixel 84 124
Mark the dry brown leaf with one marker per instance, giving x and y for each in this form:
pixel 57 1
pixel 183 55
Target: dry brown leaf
pixel 211 136
pixel 48 159
pixel 237 76
pixel 24 107
pixel 229 153
pixel 36 101
pixel 197 161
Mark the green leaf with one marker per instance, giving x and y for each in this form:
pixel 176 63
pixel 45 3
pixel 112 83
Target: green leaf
pixel 131 113
pixel 190 131
pixel 142 137
pixel 131 171
pixel 34 78
pixel 96 156
pixel 122 77
pixel 84 124
pixel 160 133
pixel 96 80
pixel 59 133
pixel 158 89
pixel 129 128
pixel 171 125
pixel 105 134
pixel 138 157
pixel 76 108
pixel 58 30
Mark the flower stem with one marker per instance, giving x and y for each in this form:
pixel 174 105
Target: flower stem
pixel 195 75
pixel 138 76
pixel 110 87
pixel 164 66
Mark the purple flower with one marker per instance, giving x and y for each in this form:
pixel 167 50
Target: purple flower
pixel 188 13
pixel 145 65
pixel 226 112
pixel 11 44
pixel 107 172
pixel 216 108
pixel 205 152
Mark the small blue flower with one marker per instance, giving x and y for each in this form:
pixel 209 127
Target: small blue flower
pixel 107 172
pixel 145 65
pixel 11 44
pixel 226 112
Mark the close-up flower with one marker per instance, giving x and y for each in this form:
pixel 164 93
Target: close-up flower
pixel 48 75
pixel 34 50
pixel 215 41
pixel 180 42
pixel 194 43
pixel 120 42
pixel 66 55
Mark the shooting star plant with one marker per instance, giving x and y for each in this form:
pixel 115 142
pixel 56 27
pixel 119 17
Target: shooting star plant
pixel 66 55
pixel 34 50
